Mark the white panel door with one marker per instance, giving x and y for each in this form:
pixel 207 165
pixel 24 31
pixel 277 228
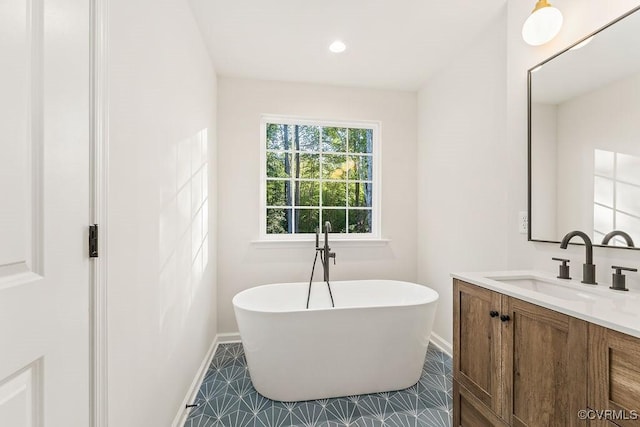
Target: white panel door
pixel 44 213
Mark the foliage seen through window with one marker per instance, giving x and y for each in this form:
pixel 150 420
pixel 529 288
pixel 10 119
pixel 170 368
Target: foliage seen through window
pixel 317 174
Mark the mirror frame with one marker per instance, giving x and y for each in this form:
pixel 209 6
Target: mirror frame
pixel 529 180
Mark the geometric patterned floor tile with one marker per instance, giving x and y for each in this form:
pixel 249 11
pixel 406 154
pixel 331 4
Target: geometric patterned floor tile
pixel 227 399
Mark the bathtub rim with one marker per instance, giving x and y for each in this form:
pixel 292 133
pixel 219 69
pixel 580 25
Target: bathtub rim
pixel 432 297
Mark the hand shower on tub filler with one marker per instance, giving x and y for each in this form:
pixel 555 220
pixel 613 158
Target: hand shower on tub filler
pixel 325 256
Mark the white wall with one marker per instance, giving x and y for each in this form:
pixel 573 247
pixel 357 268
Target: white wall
pixel 243 264
pixel 161 272
pixel 580 19
pixel 462 171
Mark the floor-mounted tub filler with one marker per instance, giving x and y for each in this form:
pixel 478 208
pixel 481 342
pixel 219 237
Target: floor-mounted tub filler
pixel 374 339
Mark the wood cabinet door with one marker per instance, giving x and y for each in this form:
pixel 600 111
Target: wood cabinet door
pixel 470 412
pixel 476 343
pixel 544 357
pixel 614 375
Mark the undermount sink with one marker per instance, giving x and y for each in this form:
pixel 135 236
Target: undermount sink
pixel 553 289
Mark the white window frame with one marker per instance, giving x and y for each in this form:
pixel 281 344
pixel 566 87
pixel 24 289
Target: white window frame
pixel 375 126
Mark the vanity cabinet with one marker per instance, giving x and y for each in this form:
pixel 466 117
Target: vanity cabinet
pixel 515 363
pixel 544 366
pixel 476 343
pixel 614 374
pixel 470 411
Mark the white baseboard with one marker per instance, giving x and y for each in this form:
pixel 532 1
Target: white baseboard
pixel 228 337
pixel 183 413
pixel 442 344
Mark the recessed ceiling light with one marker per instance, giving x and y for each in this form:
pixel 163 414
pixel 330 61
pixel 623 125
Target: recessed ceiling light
pixel 337 47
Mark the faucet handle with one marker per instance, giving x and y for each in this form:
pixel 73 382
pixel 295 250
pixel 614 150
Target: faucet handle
pixel 618 279
pixel 619 269
pixel 563 270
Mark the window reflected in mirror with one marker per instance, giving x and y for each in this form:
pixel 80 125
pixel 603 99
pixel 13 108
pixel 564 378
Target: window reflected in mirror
pixel 616 196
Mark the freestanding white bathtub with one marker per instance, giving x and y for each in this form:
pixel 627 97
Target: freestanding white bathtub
pixel 374 340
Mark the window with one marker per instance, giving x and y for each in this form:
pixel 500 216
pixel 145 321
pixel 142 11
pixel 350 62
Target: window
pixel 319 171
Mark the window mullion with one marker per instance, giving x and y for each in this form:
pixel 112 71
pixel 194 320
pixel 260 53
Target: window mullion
pixel 321 178
pixel 346 211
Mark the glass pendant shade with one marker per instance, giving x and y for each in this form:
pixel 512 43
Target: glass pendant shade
pixel 542 25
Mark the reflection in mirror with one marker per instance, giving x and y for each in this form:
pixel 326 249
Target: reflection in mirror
pixel 618 233
pixel 584 136
pixel 616 200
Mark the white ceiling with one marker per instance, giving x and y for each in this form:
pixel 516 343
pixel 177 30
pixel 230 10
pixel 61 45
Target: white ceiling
pixel 390 44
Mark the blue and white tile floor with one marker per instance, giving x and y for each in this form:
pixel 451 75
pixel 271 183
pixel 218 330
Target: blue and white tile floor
pixel 227 399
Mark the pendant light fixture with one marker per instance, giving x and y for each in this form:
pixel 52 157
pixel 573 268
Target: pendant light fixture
pixel 542 25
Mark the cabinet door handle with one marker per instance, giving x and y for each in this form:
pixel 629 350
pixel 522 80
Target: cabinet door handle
pixel 505 318
pixel 493 313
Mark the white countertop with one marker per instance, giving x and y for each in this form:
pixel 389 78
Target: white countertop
pixel 597 304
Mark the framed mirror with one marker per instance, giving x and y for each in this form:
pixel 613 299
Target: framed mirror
pixel 584 138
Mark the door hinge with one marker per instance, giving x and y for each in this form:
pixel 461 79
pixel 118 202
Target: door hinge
pixel 93 241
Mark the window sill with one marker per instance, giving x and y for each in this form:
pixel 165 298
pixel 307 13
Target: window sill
pixel 337 243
